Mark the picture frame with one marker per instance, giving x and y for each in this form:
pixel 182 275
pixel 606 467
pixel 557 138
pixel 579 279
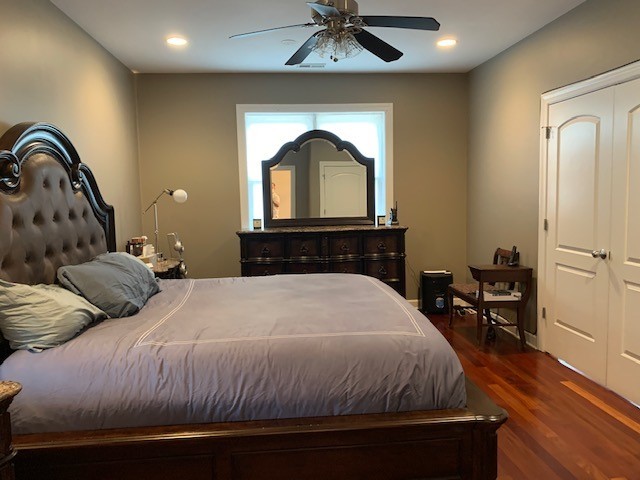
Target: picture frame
pixel 257 224
pixel 382 220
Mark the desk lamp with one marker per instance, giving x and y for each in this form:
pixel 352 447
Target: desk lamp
pixel 176 244
pixel 179 196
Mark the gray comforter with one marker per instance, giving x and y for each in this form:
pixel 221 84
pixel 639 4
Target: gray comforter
pixel 240 349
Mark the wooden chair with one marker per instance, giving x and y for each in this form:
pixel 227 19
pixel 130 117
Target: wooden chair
pixel 468 291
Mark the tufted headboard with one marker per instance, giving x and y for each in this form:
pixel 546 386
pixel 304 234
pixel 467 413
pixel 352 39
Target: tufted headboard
pixel 51 211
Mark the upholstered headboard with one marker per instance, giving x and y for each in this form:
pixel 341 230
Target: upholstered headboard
pixel 51 211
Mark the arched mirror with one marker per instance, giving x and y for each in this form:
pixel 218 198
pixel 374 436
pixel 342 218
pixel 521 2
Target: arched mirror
pixel 318 179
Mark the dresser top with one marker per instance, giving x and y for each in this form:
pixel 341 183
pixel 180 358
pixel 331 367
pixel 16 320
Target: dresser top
pixel 325 229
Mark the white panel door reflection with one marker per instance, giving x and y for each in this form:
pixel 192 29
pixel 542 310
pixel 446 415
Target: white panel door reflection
pixel 343 190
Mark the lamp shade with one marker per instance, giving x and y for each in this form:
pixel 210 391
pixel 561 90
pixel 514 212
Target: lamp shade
pixel 179 196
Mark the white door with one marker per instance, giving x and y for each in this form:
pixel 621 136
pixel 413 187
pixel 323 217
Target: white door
pixel 343 190
pixel 623 366
pixel 578 208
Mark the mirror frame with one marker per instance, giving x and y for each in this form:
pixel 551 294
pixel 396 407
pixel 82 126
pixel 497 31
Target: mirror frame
pixel 295 146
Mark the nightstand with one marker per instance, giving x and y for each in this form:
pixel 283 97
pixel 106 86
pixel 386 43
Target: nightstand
pixel 8 390
pixel 167 269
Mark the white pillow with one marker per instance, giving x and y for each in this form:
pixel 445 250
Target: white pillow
pixel 35 317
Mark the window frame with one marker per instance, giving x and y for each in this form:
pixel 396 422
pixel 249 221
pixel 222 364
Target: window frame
pixel 241 109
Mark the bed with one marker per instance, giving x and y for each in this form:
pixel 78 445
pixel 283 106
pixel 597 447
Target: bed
pixel 221 378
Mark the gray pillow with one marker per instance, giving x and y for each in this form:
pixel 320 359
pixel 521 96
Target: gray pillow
pixel 117 283
pixel 35 317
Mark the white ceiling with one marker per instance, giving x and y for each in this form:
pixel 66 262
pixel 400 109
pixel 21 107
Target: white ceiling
pixel 134 31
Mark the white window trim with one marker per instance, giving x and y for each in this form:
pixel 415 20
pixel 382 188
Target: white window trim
pixel 242 109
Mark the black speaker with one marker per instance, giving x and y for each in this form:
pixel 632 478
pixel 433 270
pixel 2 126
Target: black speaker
pixel 433 291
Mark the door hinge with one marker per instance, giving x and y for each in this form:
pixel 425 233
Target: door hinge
pixel 544 312
pixel 546 225
pixel 547 132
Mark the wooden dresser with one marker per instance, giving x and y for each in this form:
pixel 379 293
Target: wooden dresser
pixel 375 251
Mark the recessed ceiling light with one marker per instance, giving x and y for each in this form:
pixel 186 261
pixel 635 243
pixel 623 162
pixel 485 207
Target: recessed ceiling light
pixel 176 41
pixel 447 42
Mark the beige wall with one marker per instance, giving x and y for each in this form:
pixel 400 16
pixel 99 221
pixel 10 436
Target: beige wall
pixel 52 71
pixel 505 113
pixel 187 138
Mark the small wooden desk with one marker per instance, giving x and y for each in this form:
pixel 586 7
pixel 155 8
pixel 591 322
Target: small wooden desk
pixel 502 273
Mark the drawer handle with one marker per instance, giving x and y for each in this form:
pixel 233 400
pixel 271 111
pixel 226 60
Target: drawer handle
pixel 382 271
pixel 382 247
pixel 304 270
pixel 345 270
pixel 304 250
pixel 266 252
pixel 267 273
pixel 344 247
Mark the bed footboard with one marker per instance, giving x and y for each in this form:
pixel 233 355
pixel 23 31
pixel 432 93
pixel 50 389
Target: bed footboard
pixel 440 444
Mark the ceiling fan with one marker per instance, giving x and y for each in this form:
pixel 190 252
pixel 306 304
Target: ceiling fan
pixel 344 33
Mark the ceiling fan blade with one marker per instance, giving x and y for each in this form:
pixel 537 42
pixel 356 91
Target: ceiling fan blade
pixel 415 23
pixel 258 32
pixel 304 51
pixel 377 46
pixel 325 10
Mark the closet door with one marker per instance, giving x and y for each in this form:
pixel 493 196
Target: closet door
pixel 623 368
pixel 578 206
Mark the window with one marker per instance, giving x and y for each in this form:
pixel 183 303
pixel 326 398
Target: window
pixel 263 129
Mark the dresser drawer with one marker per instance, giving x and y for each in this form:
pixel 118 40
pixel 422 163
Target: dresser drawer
pixel 358 249
pixel 309 267
pixel 262 269
pixel 264 247
pixel 352 266
pixel 383 269
pixel 344 245
pixel 306 246
pixel 382 244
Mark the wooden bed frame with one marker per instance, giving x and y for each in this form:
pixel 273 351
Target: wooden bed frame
pixel 442 444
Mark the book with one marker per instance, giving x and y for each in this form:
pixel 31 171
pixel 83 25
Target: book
pixel 501 295
pixel 500 292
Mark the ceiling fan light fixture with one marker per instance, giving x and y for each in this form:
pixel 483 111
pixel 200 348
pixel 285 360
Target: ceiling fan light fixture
pixel 337 45
pixel 345 33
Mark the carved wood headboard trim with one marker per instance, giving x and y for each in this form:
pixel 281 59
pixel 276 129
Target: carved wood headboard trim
pixel 46 196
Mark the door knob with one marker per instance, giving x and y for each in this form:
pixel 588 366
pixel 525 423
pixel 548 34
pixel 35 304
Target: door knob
pixel 599 253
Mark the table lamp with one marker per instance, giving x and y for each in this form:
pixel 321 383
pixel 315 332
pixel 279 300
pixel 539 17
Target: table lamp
pixel 179 196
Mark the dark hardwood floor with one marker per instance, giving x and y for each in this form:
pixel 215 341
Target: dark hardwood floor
pixel 561 425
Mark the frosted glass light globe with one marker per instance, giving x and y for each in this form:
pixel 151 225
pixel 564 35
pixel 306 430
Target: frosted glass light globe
pixel 180 196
